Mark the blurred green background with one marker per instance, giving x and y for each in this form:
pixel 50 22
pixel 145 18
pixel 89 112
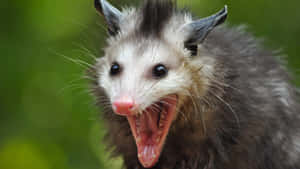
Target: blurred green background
pixel 47 117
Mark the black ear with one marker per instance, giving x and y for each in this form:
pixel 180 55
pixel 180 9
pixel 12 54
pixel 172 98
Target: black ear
pixel 112 15
pixel 198 30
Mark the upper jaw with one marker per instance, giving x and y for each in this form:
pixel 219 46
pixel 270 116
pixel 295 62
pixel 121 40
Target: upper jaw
pixel 151 127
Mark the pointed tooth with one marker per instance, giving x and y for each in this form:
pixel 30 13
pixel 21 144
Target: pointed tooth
pixel 138 139
pixel 157 139
pixel 161 124
pixel 139 155
pixel 153 154
pixel 162 116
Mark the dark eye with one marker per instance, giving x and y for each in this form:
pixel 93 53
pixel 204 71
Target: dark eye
pixel 115 69
pixel 159 71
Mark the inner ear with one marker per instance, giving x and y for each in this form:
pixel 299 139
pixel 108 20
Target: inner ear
pixel 192 48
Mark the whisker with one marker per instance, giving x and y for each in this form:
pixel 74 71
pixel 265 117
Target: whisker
pixel 228 105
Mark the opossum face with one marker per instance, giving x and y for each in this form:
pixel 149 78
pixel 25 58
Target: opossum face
pixel 143 81
pixel 143 70
pixel 146 71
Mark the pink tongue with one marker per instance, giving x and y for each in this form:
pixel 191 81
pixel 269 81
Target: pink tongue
pixel 147 150
pixel 148 155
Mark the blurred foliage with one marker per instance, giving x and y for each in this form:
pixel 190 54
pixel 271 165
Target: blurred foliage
pixel 47 117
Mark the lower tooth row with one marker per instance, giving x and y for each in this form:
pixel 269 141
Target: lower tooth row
pixel 137 123
pixel 162 118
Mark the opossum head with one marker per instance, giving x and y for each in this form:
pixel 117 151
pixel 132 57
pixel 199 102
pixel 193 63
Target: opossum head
pixel 149 70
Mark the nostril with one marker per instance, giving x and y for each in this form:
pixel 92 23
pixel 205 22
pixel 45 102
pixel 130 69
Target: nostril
pixel 123 108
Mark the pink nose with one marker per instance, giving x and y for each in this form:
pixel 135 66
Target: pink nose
pixel 123 106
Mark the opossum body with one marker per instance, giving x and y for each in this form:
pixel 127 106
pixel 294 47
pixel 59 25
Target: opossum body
pixel 181 93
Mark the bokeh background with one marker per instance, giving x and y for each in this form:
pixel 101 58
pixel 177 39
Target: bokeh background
pixel 47 117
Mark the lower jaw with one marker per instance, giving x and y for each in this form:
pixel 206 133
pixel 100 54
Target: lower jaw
pixel 149 155
pixel 149 146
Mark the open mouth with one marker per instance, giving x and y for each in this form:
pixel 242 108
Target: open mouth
pixel 151 127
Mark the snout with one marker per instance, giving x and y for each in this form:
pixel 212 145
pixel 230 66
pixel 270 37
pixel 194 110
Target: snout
pixel 124 105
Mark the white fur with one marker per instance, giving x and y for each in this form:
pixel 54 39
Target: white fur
pixel 280 90
pixel 137 58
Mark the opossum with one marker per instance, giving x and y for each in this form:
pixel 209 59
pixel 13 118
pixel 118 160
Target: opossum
pixel 185 93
